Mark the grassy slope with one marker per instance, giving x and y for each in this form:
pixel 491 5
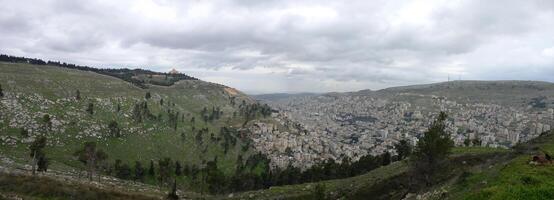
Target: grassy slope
pixel 515 180
pixel 477 150
pixel 28 187
pixel 47 89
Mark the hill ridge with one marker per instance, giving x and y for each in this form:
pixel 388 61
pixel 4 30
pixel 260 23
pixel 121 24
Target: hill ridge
pixel 137 76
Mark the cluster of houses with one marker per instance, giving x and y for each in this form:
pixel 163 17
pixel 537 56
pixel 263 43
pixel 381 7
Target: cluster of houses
pixel 332 127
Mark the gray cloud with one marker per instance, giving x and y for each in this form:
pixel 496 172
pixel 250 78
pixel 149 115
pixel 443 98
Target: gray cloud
pixel 292 44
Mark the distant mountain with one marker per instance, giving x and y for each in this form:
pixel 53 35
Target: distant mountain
pixel 280 96
pixel 506 92
pixel 510 93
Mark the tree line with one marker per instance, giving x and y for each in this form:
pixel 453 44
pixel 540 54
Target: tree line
pixel 125 74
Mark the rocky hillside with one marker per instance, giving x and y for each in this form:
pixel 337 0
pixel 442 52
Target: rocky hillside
pixel 190 122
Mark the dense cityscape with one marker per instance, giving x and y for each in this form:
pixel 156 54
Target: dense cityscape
pixel 334 126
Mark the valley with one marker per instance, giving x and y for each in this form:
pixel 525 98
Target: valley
pixel 276 100
pixel 495 114
pixel 214 142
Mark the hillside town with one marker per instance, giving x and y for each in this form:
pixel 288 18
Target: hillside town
pixel 337 126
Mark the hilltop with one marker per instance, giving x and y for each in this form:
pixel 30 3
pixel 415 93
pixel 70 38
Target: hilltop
pixel 139 77
pixel 192 123
pixel 507 92
pixel 281 96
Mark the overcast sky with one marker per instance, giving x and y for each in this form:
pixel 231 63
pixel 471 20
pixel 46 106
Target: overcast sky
pixel 291 45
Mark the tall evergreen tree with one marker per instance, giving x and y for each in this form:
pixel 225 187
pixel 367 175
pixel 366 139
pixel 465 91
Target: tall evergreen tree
pixel 178 169
pixel 124 171
pixel 433 149
pixel 164 170
pixel 90 108
pixel 42 164
pixel 467 142
pixel 91 157
pixel 37 152
pixel 386 159
pixel 78 95
pixel 46 119
pixel 139 171
pixel 114 130
pixel 1 91
pixel 403 149
pixel 151 170
pixel 23 132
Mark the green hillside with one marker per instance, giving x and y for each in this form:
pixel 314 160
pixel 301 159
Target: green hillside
pixel 473 173
pixel 387 182
pixel 510 93
pixel 163 129
pixel 511 179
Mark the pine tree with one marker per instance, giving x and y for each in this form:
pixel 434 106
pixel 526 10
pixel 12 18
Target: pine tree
pixel 42 164
pixel 403 149
pixel 164 170
pixel 386 159
pixel 178 169
pixel 433 149
pixel 114 129
pixel 139 171
pixel 1 91
pixel 47 121
pixel 124 171
pixel 91 157
pixel 23 132
pixel 37 153
pixel 151 171
pixel 78 95
pixel 467 142
pixel 90 108
pixel 147 96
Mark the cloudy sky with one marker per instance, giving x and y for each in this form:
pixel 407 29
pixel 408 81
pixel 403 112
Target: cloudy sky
pixel 290 45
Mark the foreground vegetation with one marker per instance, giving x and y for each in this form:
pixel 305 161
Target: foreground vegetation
pixel 511 179
pixel 32 187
